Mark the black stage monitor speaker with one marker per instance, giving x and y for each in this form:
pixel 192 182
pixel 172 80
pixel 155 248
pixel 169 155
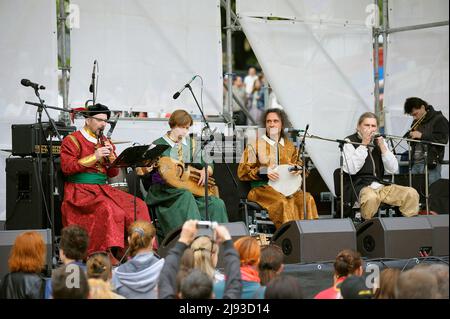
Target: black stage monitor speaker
pixel 395 237
pixel 439 224
pixel 25 206
pixel 7 238
pixel 229 192
pixel 236 229
pixel 305 241
pixel 439 200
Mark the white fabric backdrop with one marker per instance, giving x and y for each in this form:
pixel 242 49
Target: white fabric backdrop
pixel 321 73
pixel 28 49
pixel 327 11
pixel 417 63
pixel 147 50
pixel 412 12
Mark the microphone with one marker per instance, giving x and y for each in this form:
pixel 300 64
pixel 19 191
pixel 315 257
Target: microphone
pixel 377 135
pixel 302 145
pixel 92 86
pixel 112 126
pixel 304 134
pixel 177 94
pixel 26 82
pixel 293 130
pixel 208 137
pixel 295 168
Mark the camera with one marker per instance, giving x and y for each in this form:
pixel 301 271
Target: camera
pixel 206 224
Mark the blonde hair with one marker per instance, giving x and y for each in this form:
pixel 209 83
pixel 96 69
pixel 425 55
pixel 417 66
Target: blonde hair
pixel 203 248
pixel 99 289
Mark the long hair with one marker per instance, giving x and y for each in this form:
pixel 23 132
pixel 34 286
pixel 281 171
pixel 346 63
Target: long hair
pixel 28 253
pixel 347 263
pixel 388 280
pixel 283 118
pixel 270 263
pixel 203 249
pixel 249 251
pixel 140 235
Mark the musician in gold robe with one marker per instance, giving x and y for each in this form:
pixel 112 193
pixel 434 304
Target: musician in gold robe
pixel 258 164
pixel 176 205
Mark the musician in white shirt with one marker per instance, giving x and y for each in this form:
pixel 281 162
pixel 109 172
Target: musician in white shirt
pixel 367 164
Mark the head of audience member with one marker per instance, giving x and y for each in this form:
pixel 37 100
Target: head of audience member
pixel 205 255
pixel 251 71
pixel 248 250
pixel 348 262
pixel 275 121
pixel 271 263
pixel 69 282
pixel 417 283
pixel 415 107
pixel 96 118
pixel 388 280
pixel 196 285
pixel 354 287
pixel 257 85
pixel 283 287
pixel 262 78
pixel 238 82
pixel 141 235
pixel 98 266
pixel 74 244
pixel 441 273
pixel 28 253
pixel 180 121
pixel 186 265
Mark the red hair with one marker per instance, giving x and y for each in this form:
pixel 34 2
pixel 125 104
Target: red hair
pixel 28 253
pixel 249 250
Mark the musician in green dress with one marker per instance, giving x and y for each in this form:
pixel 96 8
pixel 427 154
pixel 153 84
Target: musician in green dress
pixel 176 205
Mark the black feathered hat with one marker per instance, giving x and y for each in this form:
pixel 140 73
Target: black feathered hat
pixel 97 109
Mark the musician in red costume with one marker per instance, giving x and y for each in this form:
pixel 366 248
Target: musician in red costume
pixel 105 212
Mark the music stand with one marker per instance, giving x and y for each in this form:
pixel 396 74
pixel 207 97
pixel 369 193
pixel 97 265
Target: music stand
pixel 138 156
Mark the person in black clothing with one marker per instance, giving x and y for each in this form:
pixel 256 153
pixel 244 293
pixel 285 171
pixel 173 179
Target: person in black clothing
pixel 367 165
pixel 26 261
pixel 168 276
pixel 432 128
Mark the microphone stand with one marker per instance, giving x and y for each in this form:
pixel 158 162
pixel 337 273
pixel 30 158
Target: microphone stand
pixel 202 149
pixel 203 144
pixel 425 153
pixel 53 192
pixel 341 163
pixel 302 150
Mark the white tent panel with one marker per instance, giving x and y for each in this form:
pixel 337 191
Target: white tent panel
pixel 28 49
pixel 413 12
pixel 321 74
pixel 328 11
pixel 417 65
pixel 146 51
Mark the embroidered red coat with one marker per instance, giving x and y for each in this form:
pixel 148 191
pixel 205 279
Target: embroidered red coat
pixel 105 212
